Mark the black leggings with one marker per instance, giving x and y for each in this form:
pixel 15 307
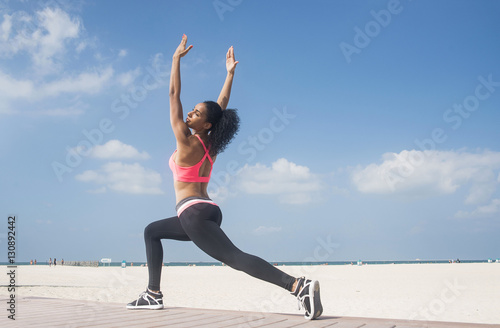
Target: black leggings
pixel 200 223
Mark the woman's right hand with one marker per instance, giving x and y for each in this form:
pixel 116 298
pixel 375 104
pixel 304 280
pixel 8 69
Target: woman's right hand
pixel 230 61
pixel 181 50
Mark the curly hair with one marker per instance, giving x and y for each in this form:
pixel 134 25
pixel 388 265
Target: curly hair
pixel 225 125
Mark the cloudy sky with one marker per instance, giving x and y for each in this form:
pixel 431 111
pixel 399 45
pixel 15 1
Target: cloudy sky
pixel 369 128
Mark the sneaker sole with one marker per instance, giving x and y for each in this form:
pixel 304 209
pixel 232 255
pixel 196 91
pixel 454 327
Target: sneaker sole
pixel 314 297
pixel 145 307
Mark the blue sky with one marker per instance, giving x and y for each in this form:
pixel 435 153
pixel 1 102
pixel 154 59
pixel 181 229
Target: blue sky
pixel 369 128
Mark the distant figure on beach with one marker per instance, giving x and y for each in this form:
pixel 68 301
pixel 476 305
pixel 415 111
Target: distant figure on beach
pixel 62 261
pixel 31 262
pixel 35 261
pixel 50 262
pixel 201 137
pixel 55 261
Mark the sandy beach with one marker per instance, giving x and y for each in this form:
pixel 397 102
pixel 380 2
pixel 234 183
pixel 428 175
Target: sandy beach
pixel 436 292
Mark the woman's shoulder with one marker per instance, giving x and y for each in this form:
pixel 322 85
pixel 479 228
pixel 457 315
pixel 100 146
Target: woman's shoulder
pixel 196 140
pixel 193 145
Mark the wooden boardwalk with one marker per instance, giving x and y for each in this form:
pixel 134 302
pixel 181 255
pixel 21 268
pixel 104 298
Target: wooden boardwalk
pixel 50 312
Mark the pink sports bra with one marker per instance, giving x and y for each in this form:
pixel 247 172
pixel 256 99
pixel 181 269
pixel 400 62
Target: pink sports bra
pixel 190 173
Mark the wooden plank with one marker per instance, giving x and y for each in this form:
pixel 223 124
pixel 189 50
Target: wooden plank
pixel 350 324
pixel 250 320
pixel 216 321
pixel 316 323
pixel 145 318
pixel 124 318
pixel 380 325
pixel 36 312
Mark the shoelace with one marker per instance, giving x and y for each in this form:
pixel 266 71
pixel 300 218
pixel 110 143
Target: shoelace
pixel 144 295
pixel 302 299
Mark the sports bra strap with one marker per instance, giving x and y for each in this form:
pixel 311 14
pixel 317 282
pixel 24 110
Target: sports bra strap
pixel 206 151
pixel 197 136
pixel 191 173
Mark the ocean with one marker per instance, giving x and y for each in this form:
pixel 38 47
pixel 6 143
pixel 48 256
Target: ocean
pixel 194 263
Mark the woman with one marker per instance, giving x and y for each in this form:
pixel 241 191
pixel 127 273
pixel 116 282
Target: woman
pixel 205 133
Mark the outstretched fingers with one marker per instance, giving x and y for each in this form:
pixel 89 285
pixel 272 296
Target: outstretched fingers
pixel 230 60
pixel 181 50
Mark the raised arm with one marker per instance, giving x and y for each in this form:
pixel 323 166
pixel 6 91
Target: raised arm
pixel 223 99
pixel 181 131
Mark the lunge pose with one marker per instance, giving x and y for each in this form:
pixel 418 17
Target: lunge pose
pixel 201 137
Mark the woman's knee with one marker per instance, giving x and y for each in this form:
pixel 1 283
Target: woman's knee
pixel 149 230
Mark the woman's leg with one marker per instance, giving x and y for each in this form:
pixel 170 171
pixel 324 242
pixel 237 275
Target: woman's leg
pixel 163 229
pixel 201 222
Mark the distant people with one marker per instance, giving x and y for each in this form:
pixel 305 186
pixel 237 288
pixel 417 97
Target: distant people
pixel 55 261
pixel 62 261
pixel 50 262
pixel 31 262
pixel 35 261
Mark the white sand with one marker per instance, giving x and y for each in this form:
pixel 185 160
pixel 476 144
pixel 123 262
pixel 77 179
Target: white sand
pixel 441 292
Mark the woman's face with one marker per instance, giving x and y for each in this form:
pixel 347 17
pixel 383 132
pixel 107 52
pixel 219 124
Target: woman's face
pixel 197 118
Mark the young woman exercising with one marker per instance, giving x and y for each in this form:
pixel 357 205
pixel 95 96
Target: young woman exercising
pixel 205 133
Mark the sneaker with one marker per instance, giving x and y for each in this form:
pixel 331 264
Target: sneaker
pixel 307 292
pixel 147 300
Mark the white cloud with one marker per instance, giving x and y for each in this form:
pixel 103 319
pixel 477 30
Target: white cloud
pixel 44 36
pixel 5 28
pixel 221 194
pixel 263 230
pixel 115 149
pixel 46 41
pixel 97 191
pixel 47 45
pixel 129 77
pixel 11 43
pixel 293 183
pixel 13 88
pixel 126 178
pixel 484 185
pixel 56 27
pixel 81 46
pixel 73 110
pixel 86 82
pixel 431 172
pixel 482 211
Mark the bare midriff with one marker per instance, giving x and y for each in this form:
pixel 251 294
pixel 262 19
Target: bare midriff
pixel 190 189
